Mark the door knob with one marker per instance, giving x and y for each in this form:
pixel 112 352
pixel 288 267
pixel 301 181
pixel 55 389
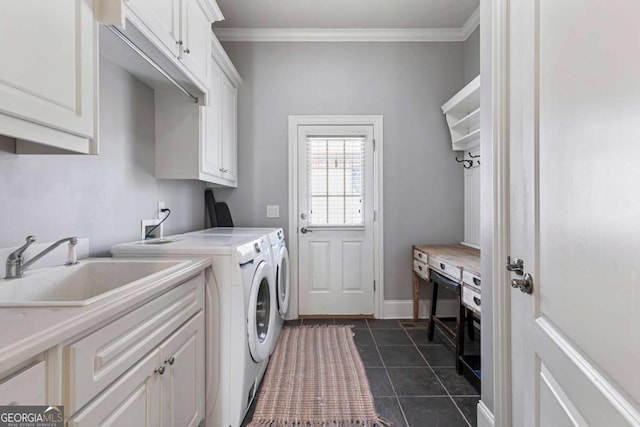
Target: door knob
pixel 525 284
pixel 305 230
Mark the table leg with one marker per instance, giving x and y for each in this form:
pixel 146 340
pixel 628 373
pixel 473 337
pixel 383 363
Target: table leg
pixel 434 303
pixel 416 296
pixel 460 322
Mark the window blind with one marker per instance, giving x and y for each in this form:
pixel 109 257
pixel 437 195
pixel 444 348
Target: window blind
pixel 335 181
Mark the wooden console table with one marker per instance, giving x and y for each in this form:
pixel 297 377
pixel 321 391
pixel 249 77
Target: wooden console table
pixel 457 269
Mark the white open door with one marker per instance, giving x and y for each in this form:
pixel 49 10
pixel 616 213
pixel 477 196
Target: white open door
pixel 335 220
pixel 574 138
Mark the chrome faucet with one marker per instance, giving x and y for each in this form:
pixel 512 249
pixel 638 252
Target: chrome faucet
pixel 15 261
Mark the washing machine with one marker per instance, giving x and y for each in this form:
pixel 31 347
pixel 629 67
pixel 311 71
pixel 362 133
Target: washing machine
pixel 240 312
pixel 280 262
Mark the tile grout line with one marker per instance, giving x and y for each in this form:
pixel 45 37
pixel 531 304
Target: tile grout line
pixel 386 371
pixel 439 380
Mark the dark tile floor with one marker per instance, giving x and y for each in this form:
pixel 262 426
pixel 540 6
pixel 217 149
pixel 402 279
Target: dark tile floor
pixel 413 380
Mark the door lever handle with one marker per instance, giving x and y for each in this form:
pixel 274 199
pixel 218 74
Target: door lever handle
pixel 305 230
pixel 517 266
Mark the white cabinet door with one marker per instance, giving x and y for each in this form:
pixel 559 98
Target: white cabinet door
pixel 133 400
pixel 196 36
pixel 229 130
pixel 48 76
pixel 163 19
pixel 183 381
pixel 211 154
pixel 27 387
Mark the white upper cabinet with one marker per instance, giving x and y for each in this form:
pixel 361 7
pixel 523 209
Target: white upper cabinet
pixel 195 42
pixel 179 30
pixel 48 77
pixel 163 19
pixel 200 142
pixel 229 144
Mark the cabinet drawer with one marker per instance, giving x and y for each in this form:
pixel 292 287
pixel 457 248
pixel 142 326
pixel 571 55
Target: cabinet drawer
pixel 448 270
pixel 471 279
pixel 420 255
pixel 421 269
pixel 471 299
pixel 97 360
pixel 26 387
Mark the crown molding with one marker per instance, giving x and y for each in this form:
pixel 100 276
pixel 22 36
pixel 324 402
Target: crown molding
pixel 347 34
pixel 224 62
pixel 471 24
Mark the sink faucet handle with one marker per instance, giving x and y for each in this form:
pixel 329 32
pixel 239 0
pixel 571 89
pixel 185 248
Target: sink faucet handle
pixel 17 254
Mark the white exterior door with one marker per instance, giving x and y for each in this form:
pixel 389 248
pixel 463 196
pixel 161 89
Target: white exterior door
pixel 335 220
pixel 574 216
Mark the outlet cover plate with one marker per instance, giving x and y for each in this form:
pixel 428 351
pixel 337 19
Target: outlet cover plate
pixel 273 211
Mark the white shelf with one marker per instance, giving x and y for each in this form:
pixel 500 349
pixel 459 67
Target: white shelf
pixel 463 116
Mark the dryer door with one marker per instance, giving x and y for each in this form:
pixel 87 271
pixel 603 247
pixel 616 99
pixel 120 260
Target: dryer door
pixel 260 314
pixel 283 279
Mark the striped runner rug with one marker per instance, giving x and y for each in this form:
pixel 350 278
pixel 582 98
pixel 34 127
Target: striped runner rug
pixel 315 378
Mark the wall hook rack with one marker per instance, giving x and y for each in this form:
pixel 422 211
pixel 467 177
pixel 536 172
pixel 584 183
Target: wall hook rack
pixel 475 157
pixel 467 163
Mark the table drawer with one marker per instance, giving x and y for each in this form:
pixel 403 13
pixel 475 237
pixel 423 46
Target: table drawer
pixel 471 279
pixel 448 270
pixel 471 298
pixel 421 269
pixel 98 359
pixel 420 255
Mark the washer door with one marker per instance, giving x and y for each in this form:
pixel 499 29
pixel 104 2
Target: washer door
pixel 283 278
pixel 260 314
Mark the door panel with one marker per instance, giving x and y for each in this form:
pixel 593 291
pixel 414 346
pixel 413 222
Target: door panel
pixel 211 162
pixel 196 37
pixel 229 129
pixel 335 204
pixel 574 109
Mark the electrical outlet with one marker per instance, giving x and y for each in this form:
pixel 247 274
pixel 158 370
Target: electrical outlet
pixel 148 224
pixel 160 207
pixel 273 211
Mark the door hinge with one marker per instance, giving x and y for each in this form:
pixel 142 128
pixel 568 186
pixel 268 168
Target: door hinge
pixel 374 286
pixel 374 144
pixel 374 215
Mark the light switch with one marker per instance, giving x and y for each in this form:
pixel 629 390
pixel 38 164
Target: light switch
pixel 273 211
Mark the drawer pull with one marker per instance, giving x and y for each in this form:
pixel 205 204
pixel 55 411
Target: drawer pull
pixel 159 370
pixel 476 281
pixel 170 360
pixel 476 300
pixel 420 255
pixel 442 266
pixel 420 267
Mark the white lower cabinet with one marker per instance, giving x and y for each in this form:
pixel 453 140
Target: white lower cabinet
pixel 165 388
pixel 28 386
pixel 134 400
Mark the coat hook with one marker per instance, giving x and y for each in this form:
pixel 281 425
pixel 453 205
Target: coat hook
pixel 472 156
pixel 467 163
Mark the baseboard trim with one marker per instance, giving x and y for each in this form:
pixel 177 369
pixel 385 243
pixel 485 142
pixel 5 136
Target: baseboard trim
pixel 403 309
pixel 485 417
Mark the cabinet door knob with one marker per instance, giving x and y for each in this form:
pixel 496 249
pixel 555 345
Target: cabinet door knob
pixel 179 42
pixel 171 360
pixel 160 369
pixel 187 51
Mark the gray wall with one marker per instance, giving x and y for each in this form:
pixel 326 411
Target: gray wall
pixel 405 82
pixel 101 197
pixel 472 56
